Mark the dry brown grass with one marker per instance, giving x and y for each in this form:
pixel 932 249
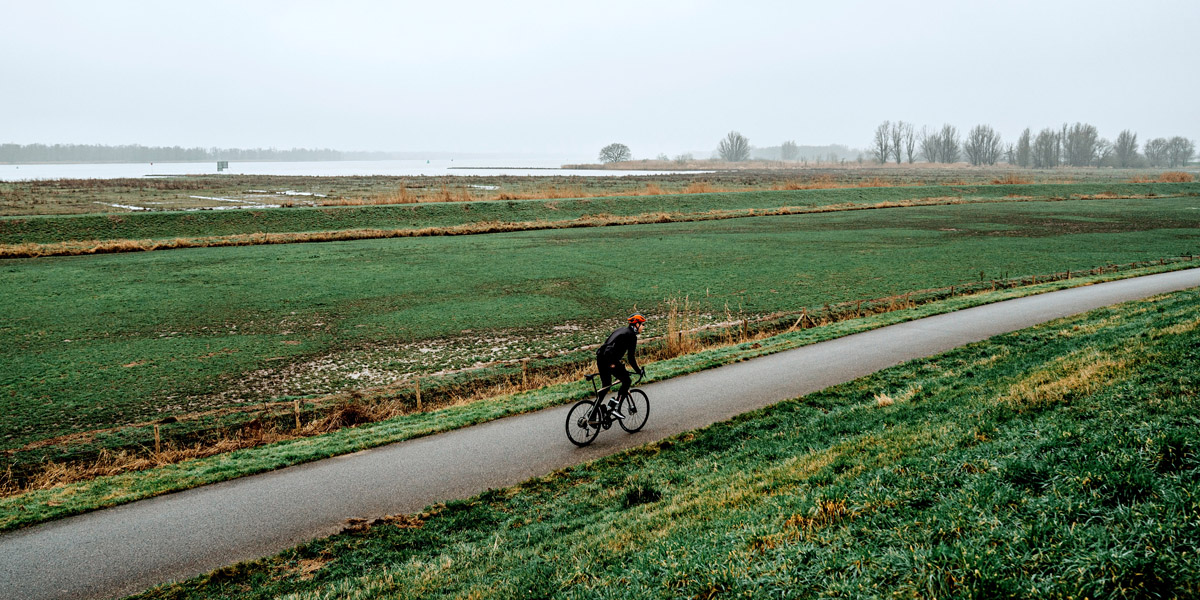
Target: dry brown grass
pixel 453 194
pixel 681 325
pixel 549 192
pixel 819 182
pixel 1175 177
pixel 1164 177
pixel 108 463
pixel 828 512
pixel 874 182
pixel 1011 179
pixel 1067 378
pixel 702 187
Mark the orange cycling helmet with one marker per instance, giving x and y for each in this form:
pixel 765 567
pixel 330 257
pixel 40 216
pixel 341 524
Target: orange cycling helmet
pixel 636 318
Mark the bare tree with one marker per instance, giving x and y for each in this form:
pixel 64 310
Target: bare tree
pixel 950 150
pixel 1104 153
pixel 615 153
pixel 1179 151
pixel 897 139
pixel 982 146
pixel 684 158
pixel 882 145
pixel 1045 149
pixel 1126 149
pixel 734 148
pixel 1024 152
pixel 1080 144
pixel 931 145
pixel 909 140
pixel 1010 154
pixel 789 150
pixel 1156 152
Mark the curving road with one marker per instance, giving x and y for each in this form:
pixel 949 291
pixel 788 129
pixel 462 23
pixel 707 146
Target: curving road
pixel 127 549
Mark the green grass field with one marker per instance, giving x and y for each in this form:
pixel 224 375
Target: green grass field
pixel 1055 462
pixel 168 225
pixel 100 341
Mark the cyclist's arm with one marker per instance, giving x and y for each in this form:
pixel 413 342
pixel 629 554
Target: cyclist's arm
pixel 632 358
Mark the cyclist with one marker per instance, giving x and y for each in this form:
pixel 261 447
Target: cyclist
pixel 620 344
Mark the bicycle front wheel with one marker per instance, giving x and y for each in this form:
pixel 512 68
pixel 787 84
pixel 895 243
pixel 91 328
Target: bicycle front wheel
pixel 637 409
pixel 583 423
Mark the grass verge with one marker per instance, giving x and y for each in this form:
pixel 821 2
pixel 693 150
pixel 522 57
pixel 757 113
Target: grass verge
pixel 1060 461
pixel 43 505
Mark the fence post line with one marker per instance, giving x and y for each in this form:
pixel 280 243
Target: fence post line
pixel 157 441
pixel 524 373
pixel 296 405
pixel 418 380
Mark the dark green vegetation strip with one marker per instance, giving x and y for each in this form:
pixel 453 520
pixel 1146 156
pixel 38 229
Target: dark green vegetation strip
pixel 166 225
pixel 93 342
pixel 1056 462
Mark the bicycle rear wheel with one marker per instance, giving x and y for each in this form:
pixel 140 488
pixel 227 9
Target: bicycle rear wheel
pixel 637 409
pixel 583 423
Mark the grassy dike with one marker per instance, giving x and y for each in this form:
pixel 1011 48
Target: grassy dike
pixel 1055 462
pixel 44 505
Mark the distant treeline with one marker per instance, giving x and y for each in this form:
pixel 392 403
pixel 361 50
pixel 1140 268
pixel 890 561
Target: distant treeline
pixel 791 151
pixel 94 153
pixel 1078 145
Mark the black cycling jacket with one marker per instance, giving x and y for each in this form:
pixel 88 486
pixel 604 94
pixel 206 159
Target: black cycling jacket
pixel 621 342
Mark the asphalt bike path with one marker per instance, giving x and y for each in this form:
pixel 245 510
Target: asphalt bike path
pixel 124 550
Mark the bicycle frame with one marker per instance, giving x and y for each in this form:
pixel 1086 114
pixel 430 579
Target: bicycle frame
pixel 597 415
pixel 594 377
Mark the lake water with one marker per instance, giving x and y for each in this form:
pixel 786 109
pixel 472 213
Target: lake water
pixel 408 168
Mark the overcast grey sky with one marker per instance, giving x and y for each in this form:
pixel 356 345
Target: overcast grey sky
pixel 565 78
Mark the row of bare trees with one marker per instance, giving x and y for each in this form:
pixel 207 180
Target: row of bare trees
pixel 734 147
pixel 1078 145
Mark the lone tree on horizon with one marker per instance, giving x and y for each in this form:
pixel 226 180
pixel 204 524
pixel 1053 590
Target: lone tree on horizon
pixel 615 153
pixel 734 148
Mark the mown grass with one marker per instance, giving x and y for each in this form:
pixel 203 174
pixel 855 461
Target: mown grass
pixel 127 486
pixel 91 230
pixel 1055 462
pixel 105 341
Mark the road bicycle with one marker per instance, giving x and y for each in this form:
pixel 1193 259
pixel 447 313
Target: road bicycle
pixel 588 417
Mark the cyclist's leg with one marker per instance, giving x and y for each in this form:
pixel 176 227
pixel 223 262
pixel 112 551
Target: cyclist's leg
pixel 606 374
pixel 626 380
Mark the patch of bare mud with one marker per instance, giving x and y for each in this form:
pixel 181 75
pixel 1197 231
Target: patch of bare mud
pixel 393 363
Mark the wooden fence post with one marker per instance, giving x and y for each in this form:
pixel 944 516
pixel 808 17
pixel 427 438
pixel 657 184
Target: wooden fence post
pixel 418 394
pixel 296 405
pixel 524 373
pixel 157 441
